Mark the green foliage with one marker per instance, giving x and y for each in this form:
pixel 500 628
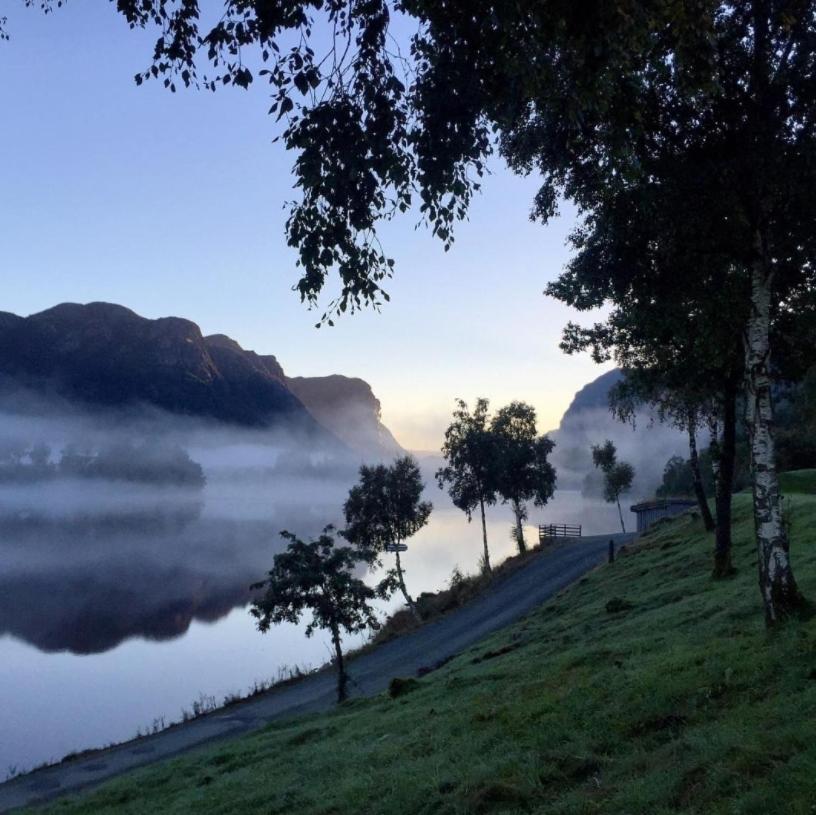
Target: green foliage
pixel 618 475
pixel 604 456
pixel 146 462
pixel 384 508
pixel 316 576
pixel 369 139
pixel 681 704
pixel 618 481
pixel 795 419
pixel 524 472
pixel 471 460
pixel 678 479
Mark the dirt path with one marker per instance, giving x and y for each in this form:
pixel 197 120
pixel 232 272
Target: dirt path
pixel 506 601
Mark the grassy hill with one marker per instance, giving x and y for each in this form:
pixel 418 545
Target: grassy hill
pixel 796 481
pixel 645 688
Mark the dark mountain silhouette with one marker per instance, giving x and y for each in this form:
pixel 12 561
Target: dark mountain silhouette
pixel 106 355
pixel 595 394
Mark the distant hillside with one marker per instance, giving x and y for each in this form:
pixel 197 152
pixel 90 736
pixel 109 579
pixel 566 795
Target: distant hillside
pixel 648 445
pixel 348 407
pixel 106 355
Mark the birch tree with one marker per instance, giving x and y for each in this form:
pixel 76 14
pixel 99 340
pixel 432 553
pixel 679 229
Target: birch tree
pixel 524 471
pixel 318 577
pixel 618 475
pixel 383 510
pixel 471 465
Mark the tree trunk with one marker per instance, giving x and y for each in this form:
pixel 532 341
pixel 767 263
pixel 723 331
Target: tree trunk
pixel 404 591
pixel 725 455
pixel 699 492
pixel 518 511
pixel 486 556
pixel 342 676
pixel 620 514
pixel 714 446
pixel 776 581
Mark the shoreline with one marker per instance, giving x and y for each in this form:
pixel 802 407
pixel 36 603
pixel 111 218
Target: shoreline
pixel 411 654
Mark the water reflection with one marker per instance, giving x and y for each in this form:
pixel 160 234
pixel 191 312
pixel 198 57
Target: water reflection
pixel 140 563
pixel 118 606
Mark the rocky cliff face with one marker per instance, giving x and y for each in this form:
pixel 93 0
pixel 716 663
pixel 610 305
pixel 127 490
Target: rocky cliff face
pixel 105 354
pixel 348 407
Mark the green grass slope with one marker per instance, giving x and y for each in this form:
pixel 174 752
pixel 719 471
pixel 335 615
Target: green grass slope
pixel 798 481
pixel 679 701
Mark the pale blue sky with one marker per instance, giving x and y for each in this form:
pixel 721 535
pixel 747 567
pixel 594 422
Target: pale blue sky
pixel 173 204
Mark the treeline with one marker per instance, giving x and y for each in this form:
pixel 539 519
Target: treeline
pixel 139 462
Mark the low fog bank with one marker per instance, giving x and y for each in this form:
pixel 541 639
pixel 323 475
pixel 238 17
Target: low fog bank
pixel 87 561
pixel 44 437
pixel 647 445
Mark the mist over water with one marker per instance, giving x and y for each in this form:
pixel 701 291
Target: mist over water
pixel 645 443
pixel 121 602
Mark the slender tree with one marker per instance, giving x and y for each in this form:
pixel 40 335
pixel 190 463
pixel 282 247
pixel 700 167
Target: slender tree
pixel 618 475
pixel 470 471
pixel 383 510
pixel 318 576
pixel 524 472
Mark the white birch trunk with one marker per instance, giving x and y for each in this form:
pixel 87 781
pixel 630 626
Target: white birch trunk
pixel 620 514
pixel 779 592
pixel 520 512
pixel 486 556
pixel 401 579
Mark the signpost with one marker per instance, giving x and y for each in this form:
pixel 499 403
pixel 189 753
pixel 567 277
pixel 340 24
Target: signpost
pixel 396 547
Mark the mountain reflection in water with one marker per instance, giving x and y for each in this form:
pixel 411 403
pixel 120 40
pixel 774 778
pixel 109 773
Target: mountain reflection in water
pixel 143 563
pixel 122 604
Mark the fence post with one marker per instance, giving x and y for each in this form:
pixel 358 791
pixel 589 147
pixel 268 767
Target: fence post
pixel 611 550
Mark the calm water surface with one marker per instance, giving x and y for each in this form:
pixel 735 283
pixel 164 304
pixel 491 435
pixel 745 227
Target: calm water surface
pixel 119 607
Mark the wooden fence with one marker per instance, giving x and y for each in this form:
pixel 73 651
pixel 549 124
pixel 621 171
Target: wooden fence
pixel 550 532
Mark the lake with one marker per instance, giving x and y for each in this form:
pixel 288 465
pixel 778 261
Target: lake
pixel 121 606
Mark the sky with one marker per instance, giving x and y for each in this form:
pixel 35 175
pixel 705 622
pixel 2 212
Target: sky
pixel 173 204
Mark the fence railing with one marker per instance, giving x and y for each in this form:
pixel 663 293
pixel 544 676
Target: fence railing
pixel 551 531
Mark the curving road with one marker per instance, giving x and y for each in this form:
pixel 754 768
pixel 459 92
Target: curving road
pixel 507 600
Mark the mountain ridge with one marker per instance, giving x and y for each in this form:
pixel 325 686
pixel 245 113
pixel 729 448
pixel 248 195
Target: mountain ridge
pixel 105 354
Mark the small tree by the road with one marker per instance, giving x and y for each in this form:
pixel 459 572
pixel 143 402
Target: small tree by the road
pixel 618 475
pixel 471 464
pixel 318 576
pixel 383 510
pixel 524 472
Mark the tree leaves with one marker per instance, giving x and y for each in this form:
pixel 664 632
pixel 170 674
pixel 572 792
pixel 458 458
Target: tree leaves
pixel 316 576
pixel 384 508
